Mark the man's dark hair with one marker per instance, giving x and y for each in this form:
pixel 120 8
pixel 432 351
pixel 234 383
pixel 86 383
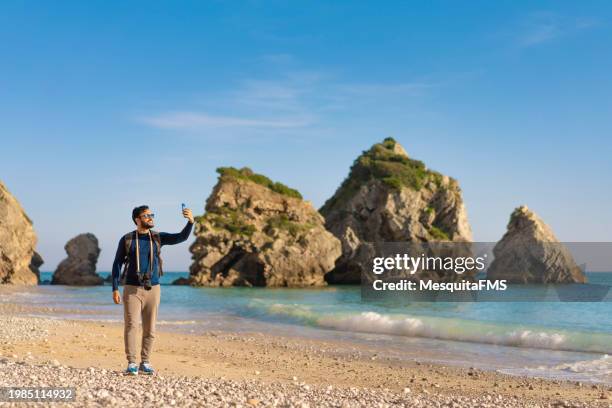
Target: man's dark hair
pixel 137 211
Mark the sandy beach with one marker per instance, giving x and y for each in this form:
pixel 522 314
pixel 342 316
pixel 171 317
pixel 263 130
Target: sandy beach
pixel 237 369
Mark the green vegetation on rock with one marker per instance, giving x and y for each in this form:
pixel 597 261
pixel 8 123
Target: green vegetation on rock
pixel 382 163
pixel 437 233
pixel 228 219
pixel 282 222
pixel 246 173
pixel 389 143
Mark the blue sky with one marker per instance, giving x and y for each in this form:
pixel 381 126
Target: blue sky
pixel 107 105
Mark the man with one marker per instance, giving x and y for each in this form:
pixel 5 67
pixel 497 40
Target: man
pixel 141 292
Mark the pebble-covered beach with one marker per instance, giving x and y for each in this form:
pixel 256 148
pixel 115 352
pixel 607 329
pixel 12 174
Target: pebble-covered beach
pixel 101 388
pixel 234 370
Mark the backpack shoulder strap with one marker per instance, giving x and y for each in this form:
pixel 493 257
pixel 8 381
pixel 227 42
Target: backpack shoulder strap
pixel 157 238
pixel 127 239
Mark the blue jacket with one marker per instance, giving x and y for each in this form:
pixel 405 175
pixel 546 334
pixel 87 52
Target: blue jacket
pixel 144 246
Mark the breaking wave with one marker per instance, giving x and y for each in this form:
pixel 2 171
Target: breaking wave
pixel 450 329
pixel 599 367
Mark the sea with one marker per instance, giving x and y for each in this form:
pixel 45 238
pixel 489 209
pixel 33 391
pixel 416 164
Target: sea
pixel 560 340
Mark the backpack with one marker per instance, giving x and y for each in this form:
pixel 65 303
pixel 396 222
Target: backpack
pixel 128 238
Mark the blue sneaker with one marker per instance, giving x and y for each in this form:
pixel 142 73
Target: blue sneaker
pixel 132 369
pixel 146 368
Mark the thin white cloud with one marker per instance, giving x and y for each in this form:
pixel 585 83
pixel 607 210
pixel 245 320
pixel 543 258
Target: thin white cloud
pixel 373 89
pixel 540 34
pixel 291 99
pixel 541 28
pixel 270 95
pixel 200 120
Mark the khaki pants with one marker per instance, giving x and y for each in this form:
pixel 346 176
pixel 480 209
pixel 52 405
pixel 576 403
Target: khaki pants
pixel 137 303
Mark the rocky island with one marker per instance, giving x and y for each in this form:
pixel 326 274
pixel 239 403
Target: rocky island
pixel 389 197
pixel 79 268
pixel 18 261
pixel 257 232
pixel 529 252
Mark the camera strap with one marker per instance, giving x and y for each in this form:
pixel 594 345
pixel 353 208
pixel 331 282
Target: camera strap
pixel 150 254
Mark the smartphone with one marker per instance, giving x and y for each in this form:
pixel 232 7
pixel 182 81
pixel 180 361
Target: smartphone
pixel 182 206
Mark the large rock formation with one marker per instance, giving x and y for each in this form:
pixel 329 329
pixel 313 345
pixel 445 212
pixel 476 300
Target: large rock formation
pixel 388 197
pixel 35 264
pixel 529 252
pixel 17 242
pixel 79 268
pixel 259 233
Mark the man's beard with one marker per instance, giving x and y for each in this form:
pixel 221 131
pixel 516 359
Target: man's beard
pixel 147 225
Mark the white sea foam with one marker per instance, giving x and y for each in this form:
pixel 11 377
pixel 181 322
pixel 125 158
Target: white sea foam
pixel 437 328
pixel 443 329
pixel 372 322
pixel 599 367
pixel 16 296
pixel 528 338
pixel 176 322
pixel 592 370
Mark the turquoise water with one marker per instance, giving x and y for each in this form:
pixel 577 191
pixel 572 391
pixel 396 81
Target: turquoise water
pixel 562 339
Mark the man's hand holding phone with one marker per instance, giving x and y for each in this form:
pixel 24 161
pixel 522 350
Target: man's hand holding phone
pixel 187 213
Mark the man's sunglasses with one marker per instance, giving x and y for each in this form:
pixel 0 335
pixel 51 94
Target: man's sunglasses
pixel 149 216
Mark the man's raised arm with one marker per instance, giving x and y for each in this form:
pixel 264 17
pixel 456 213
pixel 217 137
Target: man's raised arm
pixel 172 239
